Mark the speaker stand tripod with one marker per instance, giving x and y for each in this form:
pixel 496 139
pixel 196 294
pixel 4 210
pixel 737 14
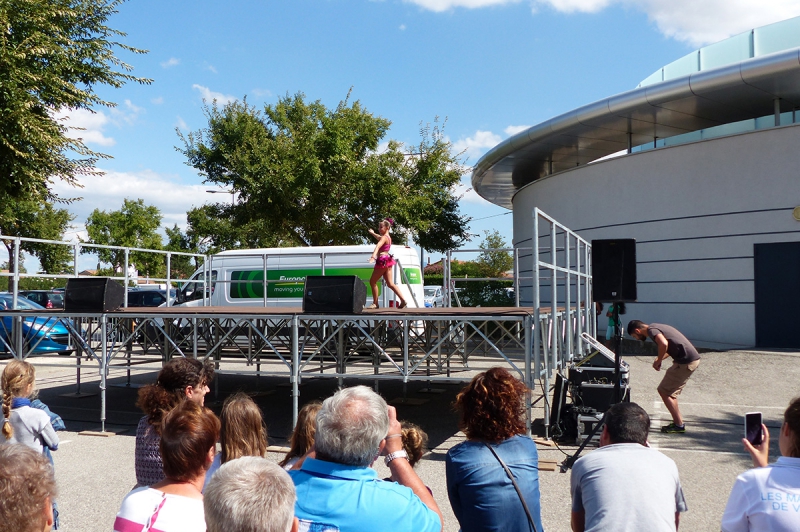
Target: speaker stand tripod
pixel 570 460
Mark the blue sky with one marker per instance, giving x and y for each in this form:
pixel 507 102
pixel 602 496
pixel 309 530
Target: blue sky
pixel 490 67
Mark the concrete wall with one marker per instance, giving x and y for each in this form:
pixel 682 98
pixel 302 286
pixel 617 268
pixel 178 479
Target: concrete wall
pixel 695 210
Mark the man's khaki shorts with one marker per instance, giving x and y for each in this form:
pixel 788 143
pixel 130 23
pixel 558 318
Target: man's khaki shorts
pixel 675 379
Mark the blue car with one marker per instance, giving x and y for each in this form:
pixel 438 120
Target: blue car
pixel 41 334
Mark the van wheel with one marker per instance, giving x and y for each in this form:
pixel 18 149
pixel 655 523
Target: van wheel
pixel 66 353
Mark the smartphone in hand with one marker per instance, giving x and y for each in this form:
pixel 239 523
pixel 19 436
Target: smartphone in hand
pixel 752 427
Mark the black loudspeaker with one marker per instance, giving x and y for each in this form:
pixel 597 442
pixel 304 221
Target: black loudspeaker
pixel 343 294
pixel 614 270
pixel 93 294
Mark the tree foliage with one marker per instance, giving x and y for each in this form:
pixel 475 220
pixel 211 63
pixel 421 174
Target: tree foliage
pixel 52 55
pixel 31 219
pixel 181 265
pixel 492 259
pixel 308 175
pixel 135 225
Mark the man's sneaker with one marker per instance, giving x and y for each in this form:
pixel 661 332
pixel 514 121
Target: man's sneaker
pixel 672 428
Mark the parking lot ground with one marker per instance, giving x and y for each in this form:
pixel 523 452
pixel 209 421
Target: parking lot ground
pixel 94 473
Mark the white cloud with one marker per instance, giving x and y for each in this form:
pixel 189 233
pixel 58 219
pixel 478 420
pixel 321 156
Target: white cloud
pixel 697 22
pixel 467 193
pixel 692 21
pixel 211 68
pixel 477 144
pixel 444 5
pixel 209 95
pixel 171 62
pixel 157 101
pixel 402 27
pixel 86 125
pixel 708 21
pixel 181 124
pixel 513 130
pixel 108 191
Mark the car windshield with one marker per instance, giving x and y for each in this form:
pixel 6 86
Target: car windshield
pixel 430 292
pixel 22 303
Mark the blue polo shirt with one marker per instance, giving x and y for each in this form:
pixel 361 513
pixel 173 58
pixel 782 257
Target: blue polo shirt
pixel 355 500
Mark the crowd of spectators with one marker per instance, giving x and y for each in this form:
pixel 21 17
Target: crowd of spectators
pixel 326 483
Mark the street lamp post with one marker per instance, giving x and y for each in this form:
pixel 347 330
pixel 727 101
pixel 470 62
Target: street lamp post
pixel 225 191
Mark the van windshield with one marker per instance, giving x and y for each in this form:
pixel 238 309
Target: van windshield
pixel 194 289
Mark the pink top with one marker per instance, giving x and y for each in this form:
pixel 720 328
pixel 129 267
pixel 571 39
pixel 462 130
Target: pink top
pixel 387 246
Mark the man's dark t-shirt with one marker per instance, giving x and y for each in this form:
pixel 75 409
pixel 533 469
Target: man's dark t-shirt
pixel 678 346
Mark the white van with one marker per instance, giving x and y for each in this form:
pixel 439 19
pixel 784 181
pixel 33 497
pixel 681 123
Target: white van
pixel 237 276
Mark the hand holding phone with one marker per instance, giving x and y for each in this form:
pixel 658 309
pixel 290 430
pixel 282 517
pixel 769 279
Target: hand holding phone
pixel 752 428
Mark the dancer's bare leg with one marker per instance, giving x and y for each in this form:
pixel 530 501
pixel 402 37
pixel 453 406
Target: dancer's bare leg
pixel 377 273
pixel 388 278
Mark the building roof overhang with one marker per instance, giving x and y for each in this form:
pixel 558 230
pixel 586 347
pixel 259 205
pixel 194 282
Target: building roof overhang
pixel 705 99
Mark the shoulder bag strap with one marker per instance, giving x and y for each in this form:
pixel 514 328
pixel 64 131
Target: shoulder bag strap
pixel 151 521
pixel 516 486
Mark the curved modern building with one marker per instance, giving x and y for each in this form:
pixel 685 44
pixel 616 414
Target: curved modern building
pixel 705 176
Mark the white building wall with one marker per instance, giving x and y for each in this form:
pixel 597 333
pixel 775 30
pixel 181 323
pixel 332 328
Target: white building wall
pixel 695 210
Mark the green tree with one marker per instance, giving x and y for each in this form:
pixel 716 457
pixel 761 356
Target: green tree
pixel 308 175
pixel 52 55
pixel 135 225
pixel 493 261
pixel 177 240
pixel 31 219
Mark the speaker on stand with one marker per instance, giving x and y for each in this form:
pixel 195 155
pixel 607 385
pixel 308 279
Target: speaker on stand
pixel 93 294
pixel 337 294
pixel 613 281
pixel 614 270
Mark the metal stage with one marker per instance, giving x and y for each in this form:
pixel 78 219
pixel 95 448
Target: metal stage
pixel 412 344
pixel 428 344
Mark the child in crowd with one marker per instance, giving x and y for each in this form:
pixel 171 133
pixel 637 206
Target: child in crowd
pixel 415 443
pixel 22 422
pixel 242 433
pixel 303 435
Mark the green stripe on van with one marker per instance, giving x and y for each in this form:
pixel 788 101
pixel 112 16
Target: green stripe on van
pixel 248 284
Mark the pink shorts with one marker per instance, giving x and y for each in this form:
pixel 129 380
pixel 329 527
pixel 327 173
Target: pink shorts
pixel 384 261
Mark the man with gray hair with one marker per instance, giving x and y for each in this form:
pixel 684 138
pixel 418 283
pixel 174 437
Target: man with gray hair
pixel 250 494
pixel 337 486
pixel 27 489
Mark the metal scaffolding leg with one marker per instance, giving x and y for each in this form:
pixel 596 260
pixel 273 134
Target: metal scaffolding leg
pixel 295 370
pixel 103 370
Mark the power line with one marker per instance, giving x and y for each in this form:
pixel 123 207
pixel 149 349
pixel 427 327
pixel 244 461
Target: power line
pixel 492 216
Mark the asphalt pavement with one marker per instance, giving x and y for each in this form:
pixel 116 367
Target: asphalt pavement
pixel 95 472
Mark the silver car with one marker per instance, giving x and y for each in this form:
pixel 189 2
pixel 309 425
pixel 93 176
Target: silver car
pixel 434 296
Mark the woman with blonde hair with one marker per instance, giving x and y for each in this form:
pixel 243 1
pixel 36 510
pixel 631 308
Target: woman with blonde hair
pixel 242 433
pixel 384 262
pixel 181 379
pixel 303 434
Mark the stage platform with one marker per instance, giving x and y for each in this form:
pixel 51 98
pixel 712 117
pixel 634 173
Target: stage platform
pixel 410 344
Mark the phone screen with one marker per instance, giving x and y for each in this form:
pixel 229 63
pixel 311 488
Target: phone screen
pixel 752 427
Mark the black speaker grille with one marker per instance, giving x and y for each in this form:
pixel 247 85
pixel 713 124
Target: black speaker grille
pixel 98 294
pixel 334 294
pixel 614 270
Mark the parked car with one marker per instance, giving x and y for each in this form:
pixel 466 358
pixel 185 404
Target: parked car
pixel 45 298
pixel 434 296
pixel 42 334
pixel 146 298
